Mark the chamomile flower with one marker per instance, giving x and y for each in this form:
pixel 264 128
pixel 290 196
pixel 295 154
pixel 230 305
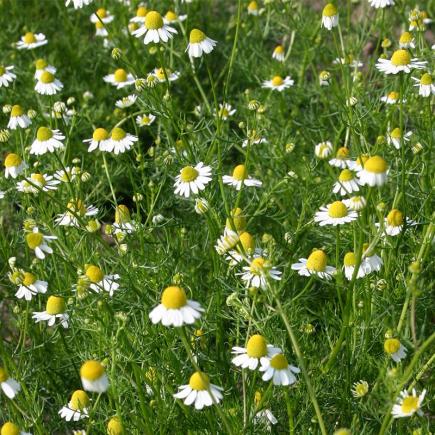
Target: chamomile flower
pixel 6 75
pixel 380 4
pixel 120 141
pixel 199 392
pixel 8 385
pixel 360 389
pixel 253 8
pixel 199 43
pixel 99 140
pixel 37 182
pixel 115 427
pixel 400 61
pixel 102 15
pixel 47 140
pixel 355 203
pixel 28 285
pixel 358 164
pixel 68 174
pixel 371 262
pixel 101 32
pixel 14 166
pixel 394 222
pixel 165 74
pixel 391 98
pixel 10 428
pixel 38 242
pixel 406 40
pixel 374 172
pixel 323 150
pixel 341 158
pixel 154 29
pixel 77 407
pixel 41 65
pixel 395 137
pixel 48 84
pixel 329 16
pixel 349 263
pixel 395 349
pixel 171 17
pixel 78 4
pixel 123 222
pixel 278 53
pixel 225 111
pixel 315 264
pixel 347 183
pixel 253 139
pixel 125 102
pixel 30 40
pixel 408 404
pixel 201 205
pixel 93 376
pixel 18 119
pixel 192 180
pixel 279 370
pixel 240 177
pixel 277 83
pixel 425 85
pixel 99 281
pixel 145 120
pixel 54 310
pixel 76 210
pixel 335 214
pixel 175 309
pixel 141 13
pixel 259 271
pixel 227 241
pixel 255 353
pixel 120 78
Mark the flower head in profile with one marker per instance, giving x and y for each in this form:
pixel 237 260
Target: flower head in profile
pixel 10 428
pixel 277 83
pixel 356 203
pixel 30 40
pixel 36 183
pixel 278 53
pixel 18 119
pixel 323 149
pixel 279 370
pixel 199 392
pixel 47 141
pixel 391 98
pixel 120 78
pixel 346 184
pixel 191 180
pixel 336 213
pixel 395 349
pixel 77 407
pixel 341 159
pixel 115 427
pixel 41 65
pixel 6 75
pixel 406 40
pixel 102 15
pixel 164 75
pixel 171 17
pixel 349 264
pixel 374 172
pixel 38 242
pixel 396 138
pixel 329 16
pixel 93 376
pixel 48 84
pixel 76 209
pixel 408 404
pixel 253 8
pixel 54 310
pixel 99 282
pixel 123 222
pixel 99 140
pixel 8 385
pixel 199 43
pixel 425 85
pixel 394 222
pixel 360 389
pixel 28 284
pixel 154 29
pixel 120 141
pixel 126 102
pixel 240 177
pixel 400 61
pixel 141 13
pixel 371 261
pixel 315 264
pixel 259 272
pixel 14 166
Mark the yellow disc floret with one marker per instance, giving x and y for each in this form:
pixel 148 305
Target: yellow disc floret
pixel 426 79
pixel 342 153
pixel 38 178
pixel 401 58
pixel 29 278
pixel 79 400
pixel 253 6
pixel 277 81
pixel 34 240
pixel 329 10
pixel 279 362
pixel 29 38
pixel 376 164
pixel 188 174
pixel 317 261
pixel 101 13
pixel 405 38
pixel 171 16
pixel 199 381
pixel 349 259
pixel 391 345
pixel 257 346
pixel 122 214
pixel 92 370
pixel 141 11
pixel 44 134
pixel 46 77
pixel 393 95
pixel 247 242
pixel 94 273
pixel 153 20
pixel 76 206
pixel 40 64
pixel 55 305
pixel 395 218
pixel 238 221
pixel 258 265
pixel 196 36
pixel 10 429
pixel 240 173
pixel 114 427
pixel 396 133
pixel 12 160
pixel 16 111
pixel 120 75
pixel 409 405
pixel 337 210
pixel 118 134
pixel 279 49
pixel 3 375
pixel 100 134
pixel 174 297
pixel 346 175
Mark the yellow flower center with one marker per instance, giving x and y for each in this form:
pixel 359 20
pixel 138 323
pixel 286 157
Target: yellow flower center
pixel 395 218
pixel 401 58
pixel 55 305
pixel 94 273
pixel 114 427
pixel 258 265
pixel 3 374
pixel 29 279
pixel 44 134
pixel 199 381
pixel 349 259
pixel 2 70
pixel 40 64
pixel 405 38
pixel 391 345
pixel 34 240
pixel 79 400
pixel 91 370
pixel 317 261
pixel 396 133
pixel 38 179
pixel 76 206
pixel 393 95
pixel 342 153
pixel 10 429
pixel 257 346
pixel 153 20
pixel 188 174
pixel 46 77
pixel 174 297
pixel 29 38
pixel 12 160
pixel 122 214
pixel 277 81
pixel 247 242
pixel 120 75
pixel 279 49
pixel 346 175
pixel 100 134
pixel 409 404
pixel 426 79
pixel 99 25
pixel 240 173
pixel 361 389
pixel 239 220
pixel 146 119
pixel 375 164
pixel 171 16
pixel 279 361
pixel 337 210
pixel 196 36
pixel 17 110
pixel 118 134
pixel 141 11
pixel 329 10
pixel 253 6
pixel 101 13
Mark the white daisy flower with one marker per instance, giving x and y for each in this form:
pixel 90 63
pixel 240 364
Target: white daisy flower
pixel 360 389
pixel 394 222
pixel 355 203
pixel 9 385
pixel 54 310
pixel 76 210
pixel 201 205
pixel 371 261
pixel 395 349
pixel 406 40
pixel 67 174
pixel 199 43
pixel 175 309
pixel 259 272
pixel 329 16
pixel 10 428
pixel 395 138
pixel 14 166
pixel 93 377
pixel 6 75
pixel 31 40
pixel 120 78
pixel 323 150
pixel 227 241
pixel 400 61
pixel 100 282
pixel 141 13
pixel 391 98
pixel 77 407
pixel 163 74
pixel 30 286
pixel 378 4
pixel 99 140
pixel 253 8
pixel 240 177
pixel 316 264
pixel 278 83
pixel 349 267
pixel 256 352
pixel 199 392
pixel 407 405
pixel 47 140
pixel 171 17
pixel 341 158
pixel 145 120
pixel 225 111
pixel 101 32
pixel 191 180
pixel 374 172
pixel 279 370
pixel 102 15
pixel 38 242
pixel 125 102
pixel 48 84
pixel 123 223
pixel 335 214
pixel 41 66
pixel 358 164
pixel 324 78
pixel 278 53
pixel 18 119
pixel 120 141
pixel 154 29
pixel 254 140
pixel 346 184
pixel 36 183
pixel 425 85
